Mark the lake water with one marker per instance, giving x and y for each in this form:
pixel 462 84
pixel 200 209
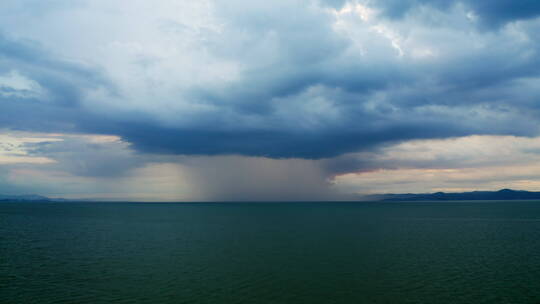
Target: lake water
pixel 440 252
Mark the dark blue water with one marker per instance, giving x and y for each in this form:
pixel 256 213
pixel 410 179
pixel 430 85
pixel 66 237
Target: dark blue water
pixel 458 252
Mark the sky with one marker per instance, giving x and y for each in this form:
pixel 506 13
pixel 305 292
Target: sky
pixel 177 100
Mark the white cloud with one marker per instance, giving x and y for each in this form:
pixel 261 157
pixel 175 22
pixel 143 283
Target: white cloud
pixel 14 151
pixel 13 84
pixel 457 164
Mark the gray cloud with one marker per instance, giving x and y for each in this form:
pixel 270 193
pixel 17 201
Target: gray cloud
pixel 61 88
pixel 82 157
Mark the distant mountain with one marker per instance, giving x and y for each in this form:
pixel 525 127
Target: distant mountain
pixel 33 198
pixel 24 198
pixel 504 194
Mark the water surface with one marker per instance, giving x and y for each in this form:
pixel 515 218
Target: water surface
pixel 439 252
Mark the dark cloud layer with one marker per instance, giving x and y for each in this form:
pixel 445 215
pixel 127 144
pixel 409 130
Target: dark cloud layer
pixel 493 14
pixel 303 89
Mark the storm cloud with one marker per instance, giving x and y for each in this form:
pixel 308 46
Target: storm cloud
pixel 292 79
pixel 325 87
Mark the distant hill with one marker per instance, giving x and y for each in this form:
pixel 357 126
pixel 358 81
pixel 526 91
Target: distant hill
pixel 31 198
pixel 24 198
pixel 504 194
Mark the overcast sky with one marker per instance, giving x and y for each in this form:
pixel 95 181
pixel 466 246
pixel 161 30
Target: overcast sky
pixel 279 100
